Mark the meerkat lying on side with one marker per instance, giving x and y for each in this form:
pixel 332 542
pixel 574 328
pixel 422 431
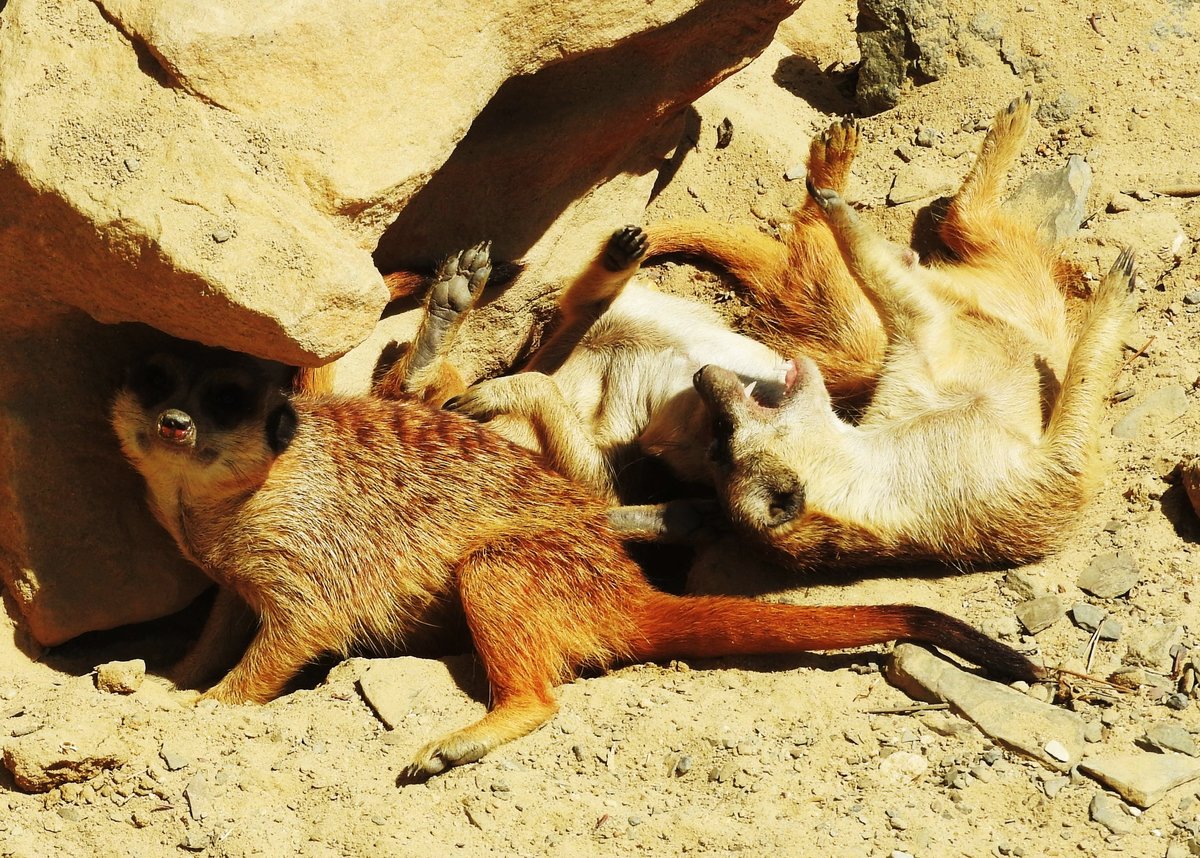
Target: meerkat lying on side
pixel 978 444
pixel 613 383
pixel 352 523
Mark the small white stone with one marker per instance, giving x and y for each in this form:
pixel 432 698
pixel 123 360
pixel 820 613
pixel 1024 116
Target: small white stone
pixel 1057 750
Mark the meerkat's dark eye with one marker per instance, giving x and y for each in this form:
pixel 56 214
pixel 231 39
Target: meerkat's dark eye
pixel 227 405
pixel 152 383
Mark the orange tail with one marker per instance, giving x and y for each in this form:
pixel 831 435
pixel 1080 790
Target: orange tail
pixel 749 256
pixel 706 626
pixel 401 284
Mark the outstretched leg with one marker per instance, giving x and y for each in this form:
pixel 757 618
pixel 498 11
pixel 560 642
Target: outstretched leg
pixel 830 156
pixel 226 632
pixel 890 275
pixel 278 652
pixel 974 222
pixel 424 370
pixel 586 299
pixel 539 606
pixel 565 440
pixel 1091 368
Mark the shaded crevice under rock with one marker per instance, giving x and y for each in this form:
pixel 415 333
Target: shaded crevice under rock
pixel 569 128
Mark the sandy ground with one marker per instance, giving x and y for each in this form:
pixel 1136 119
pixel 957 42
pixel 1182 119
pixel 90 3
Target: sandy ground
pixel 762 756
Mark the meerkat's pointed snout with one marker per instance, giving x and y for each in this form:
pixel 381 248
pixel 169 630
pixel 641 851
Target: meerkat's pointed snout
pixel 176 427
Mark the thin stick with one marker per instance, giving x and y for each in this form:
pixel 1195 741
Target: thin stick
pixel 1092 649
pixel 1138 353
pixel 910 709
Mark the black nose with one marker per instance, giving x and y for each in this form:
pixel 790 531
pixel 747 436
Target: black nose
pixel 175 425
pixel 784 505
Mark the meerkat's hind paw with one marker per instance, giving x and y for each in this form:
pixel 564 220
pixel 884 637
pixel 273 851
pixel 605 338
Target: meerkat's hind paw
pixel 625 247
pixel 437 757
pixel 460 281
pixel 1126 265
pixel 1121 277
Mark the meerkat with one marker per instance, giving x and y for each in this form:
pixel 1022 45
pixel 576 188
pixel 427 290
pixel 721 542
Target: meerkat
pixel 612 385
pixel 979 442
pixel 351 523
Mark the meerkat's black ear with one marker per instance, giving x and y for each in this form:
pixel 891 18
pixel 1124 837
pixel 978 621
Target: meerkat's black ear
pixel 281 427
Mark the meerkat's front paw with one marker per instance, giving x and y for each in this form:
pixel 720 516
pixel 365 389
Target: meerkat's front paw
pixel 509 394
pixel 460 280
pixel 831 153
pixel 626 246
pixel 1012 122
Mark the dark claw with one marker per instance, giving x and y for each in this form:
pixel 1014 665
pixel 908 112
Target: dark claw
pixel 824 197
pixel 1127 265
pixel 626 246
pixel 1012 105
pixel 451 404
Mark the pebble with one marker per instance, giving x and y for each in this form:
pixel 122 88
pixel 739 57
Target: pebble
pixel 199 798
pixel 49 758
pixel 1110 629
pixel 1121 203
pixel 132 164
pixel 1170 736
pixel 917 182
pixel 121 677
pixel 1150 646
pixel 174 758
pixel 1060 109
pixel 220 236
pixel 1057 750
pixel 1055 200
pixel 926 137
pixel 1093 731
pixel 1110 575
pixel 1053 786
pixel 195 841
pixel 1177 701
pixel 1192 297
pixel 1110 812
pixel 1039 614
pixel 683 766
pixel 1087 616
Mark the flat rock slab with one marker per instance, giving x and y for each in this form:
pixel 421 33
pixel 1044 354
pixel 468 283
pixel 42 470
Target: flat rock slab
pixel 402 689
pixel 1039 614
pixel 1141 778
pixel 1110 575
pixel 1155 411
pixel 1050 735
pixel 50 758
pixel 1057 198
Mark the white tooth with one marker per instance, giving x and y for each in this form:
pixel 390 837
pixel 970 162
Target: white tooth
pixel 750 387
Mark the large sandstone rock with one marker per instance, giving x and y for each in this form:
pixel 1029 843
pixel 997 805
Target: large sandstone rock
pixel 233 174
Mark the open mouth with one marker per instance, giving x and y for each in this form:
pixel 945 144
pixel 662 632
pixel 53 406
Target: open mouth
pixel 770 397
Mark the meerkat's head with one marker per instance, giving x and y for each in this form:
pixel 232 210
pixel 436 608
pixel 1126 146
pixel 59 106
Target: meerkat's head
pixel 213 419
pixel 762 448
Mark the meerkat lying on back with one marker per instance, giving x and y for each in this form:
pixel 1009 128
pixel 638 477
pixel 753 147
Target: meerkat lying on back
pixel 352 523
pixel 613 384
pixel 978 444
